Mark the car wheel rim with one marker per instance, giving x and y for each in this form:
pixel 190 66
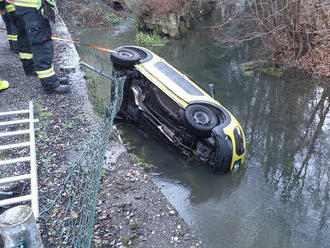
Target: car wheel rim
pixel 125 54
pixel 201 117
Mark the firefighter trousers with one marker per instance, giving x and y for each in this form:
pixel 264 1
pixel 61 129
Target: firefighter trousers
pixel 11 31
pixel 24 48
pixel 38 32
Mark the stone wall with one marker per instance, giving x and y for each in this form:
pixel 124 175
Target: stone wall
pixel 172 22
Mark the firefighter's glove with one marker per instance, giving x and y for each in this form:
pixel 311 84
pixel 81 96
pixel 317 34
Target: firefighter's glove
pixel 48 10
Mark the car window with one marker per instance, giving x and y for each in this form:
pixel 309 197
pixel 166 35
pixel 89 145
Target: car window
pixel 178 79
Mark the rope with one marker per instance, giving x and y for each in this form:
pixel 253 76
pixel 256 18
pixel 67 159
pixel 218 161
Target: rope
pixel 85 44
pixel 79 42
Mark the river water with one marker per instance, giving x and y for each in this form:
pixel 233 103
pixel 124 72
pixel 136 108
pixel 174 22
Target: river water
pixel 280 197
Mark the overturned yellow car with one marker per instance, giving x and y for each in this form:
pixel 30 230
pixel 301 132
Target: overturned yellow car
pixel 160 98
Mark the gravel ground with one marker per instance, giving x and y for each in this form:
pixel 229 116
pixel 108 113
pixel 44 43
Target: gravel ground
pixel 131 211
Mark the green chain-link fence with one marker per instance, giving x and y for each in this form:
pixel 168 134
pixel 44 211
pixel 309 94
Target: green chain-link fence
pixel 69 220
pixel 20 245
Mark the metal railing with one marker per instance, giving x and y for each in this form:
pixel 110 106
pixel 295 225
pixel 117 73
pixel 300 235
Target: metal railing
pixel 32 176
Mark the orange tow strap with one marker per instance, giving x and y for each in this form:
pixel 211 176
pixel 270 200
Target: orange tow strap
pixel 84 44
pixel 78 42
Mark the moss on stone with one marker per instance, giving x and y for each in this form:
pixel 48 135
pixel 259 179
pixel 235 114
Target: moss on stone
pixel 248 73
pixel 252 65
pixel 272 71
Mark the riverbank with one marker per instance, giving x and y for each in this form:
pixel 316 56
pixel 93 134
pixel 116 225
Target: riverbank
pixel 131 211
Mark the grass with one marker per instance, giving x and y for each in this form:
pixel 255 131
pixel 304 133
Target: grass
pixel 152 39
pixel 133 236
pixel 108 16
pixel 138 161
pixel 43 135
pixel 26 137
pixel 45 160
pixel 113 19
pixel 97 100
pixel 45 114
pixel 2 155
pixel 134 225
pixel 125 240
pixel 68 125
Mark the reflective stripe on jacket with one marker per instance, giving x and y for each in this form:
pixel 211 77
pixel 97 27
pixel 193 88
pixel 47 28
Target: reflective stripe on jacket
pixel 28 3
pixel 12 37
pixel 10 8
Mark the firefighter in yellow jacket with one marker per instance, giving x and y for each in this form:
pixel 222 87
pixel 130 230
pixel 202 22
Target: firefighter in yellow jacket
pixel 10 25
pixel 35 15
pixel 23 43
pixel 3 83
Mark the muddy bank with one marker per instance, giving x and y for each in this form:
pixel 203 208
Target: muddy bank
pixel 131 210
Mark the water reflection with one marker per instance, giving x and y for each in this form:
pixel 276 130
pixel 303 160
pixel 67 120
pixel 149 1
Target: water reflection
pixel 287 126
pixel 280 197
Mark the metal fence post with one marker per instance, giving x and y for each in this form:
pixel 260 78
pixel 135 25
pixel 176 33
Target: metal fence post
pixel 17 224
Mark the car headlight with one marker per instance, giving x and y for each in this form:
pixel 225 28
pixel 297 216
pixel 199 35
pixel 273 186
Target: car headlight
pixel 237 164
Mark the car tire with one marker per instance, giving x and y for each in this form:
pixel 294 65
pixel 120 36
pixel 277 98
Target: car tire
pixel 125 58
pixel 222 156
pixel 201 119
pixel 145 54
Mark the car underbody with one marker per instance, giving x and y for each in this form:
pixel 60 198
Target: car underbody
pixel 168 103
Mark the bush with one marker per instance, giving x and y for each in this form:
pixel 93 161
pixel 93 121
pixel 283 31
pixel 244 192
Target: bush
pixel 87 14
